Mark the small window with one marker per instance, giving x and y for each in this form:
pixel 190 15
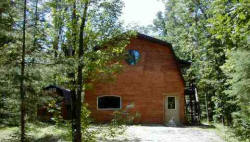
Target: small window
pixel 171 102
pixel 133 57
pixel 109 102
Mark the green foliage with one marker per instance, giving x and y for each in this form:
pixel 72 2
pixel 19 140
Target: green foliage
pixel 52 41
pixel 88 134
pixel 89 57
pixel 214 35
pixel 237 68
pixel 6 21
pixel 231 27
pixel 10 59
pixel 186 27
pixel 118 124
pixel 37 132
pixel 91 132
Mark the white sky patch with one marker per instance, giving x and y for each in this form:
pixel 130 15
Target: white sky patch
pixel 141 12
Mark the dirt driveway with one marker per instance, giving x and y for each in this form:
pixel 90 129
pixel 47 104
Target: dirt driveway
pixel 158 133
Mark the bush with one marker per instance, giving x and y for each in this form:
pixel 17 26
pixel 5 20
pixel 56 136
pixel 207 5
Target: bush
pixel 238 70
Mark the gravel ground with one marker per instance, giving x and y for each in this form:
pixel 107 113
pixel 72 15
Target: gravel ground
pixel 158 133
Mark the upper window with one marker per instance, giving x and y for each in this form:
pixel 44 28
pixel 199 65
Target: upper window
pixel 109 102
pixel 133 57
pixel 171 102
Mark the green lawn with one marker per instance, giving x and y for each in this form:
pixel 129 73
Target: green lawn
pixel 225 132
pixel 39 132
pixel 44 132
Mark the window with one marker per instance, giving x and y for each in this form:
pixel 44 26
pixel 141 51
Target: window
pixel 133 57
pixel 109 102
pixel 171 102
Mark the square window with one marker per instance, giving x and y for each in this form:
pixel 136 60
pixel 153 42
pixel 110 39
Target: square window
pixel 171 102
pixel 109 102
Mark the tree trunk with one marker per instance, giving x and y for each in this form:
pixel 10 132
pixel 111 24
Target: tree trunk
pixel 58 29
pixel 73 114
pixel 71 53
pixel 206 108
pixel 78 135
pixel 35 26
pixel 22 86
pixel 210 107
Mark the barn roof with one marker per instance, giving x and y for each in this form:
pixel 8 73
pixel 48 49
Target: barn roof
pixel 66 94
pixel 164 43
pixel 152 39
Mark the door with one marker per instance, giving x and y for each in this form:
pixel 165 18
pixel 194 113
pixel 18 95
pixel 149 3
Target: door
pixel 172 110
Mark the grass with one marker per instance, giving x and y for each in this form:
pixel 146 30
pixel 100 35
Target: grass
pixel 36 132
pixel 6 132
pixel 225 132
pixel 44 132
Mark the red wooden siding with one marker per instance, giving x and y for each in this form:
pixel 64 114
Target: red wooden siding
pixel 144 84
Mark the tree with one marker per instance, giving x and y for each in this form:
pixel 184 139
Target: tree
pixel 214 36
pixel 237 69
pixel 22 86
pixel 80 79
pixel 7 20
pixel 230 25
pixel 184 25
pixel 188 27
pixel 7 14
pixel 90 49
pixel 81 43
pixel 22 61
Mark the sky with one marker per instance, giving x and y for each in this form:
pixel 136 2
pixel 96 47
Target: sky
pixel 141 12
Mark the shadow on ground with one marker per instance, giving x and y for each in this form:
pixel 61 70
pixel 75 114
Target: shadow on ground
pixel 47 138
pixel 118 140
pixel 202 126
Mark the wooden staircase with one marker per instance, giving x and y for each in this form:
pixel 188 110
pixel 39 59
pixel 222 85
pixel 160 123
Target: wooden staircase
pixel 192 104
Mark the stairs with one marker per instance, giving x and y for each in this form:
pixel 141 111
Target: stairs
pixel 192 104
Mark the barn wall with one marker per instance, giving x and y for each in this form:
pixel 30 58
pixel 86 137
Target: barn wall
pixel 145 84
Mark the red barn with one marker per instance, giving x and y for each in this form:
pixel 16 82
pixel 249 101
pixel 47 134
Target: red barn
pixel 151 84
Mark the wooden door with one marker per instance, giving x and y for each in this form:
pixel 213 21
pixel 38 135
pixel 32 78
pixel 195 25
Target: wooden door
pixel 172 110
